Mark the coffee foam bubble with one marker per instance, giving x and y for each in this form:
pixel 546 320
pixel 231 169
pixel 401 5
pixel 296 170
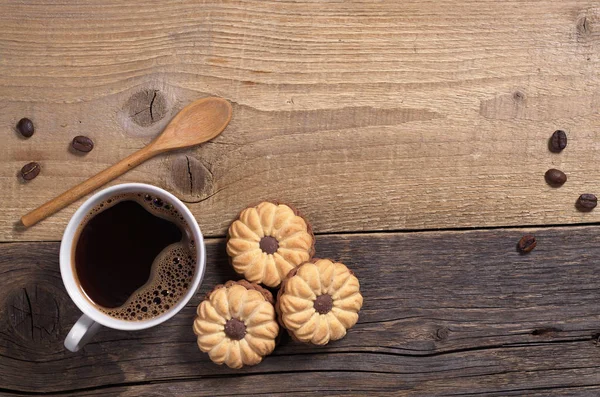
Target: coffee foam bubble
pixel 172 270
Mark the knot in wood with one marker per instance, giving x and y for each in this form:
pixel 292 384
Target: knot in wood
pixel 146 107
pixel 584 26
pixel 191 180
pixel 518 96
pixel 34 314
pixel 442 333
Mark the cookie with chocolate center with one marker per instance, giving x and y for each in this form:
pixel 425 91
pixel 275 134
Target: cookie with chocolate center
pixel 269 240
pixel 319 301
pixel 236 324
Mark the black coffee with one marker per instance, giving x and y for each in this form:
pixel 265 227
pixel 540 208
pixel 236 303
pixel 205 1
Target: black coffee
pixel 134 258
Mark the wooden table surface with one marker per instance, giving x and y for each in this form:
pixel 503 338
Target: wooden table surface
pixel 412 134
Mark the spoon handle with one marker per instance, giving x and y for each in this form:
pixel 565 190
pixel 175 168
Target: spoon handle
pixel 93 183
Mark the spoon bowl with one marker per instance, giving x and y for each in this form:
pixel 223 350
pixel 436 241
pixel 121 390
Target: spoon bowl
pixel 198 122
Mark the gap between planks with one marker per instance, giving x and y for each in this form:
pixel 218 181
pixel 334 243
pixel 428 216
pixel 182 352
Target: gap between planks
pixel 399 231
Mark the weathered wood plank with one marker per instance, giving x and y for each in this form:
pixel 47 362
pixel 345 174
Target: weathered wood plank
pixel 366 115
pixel 445 313
pixel 343 384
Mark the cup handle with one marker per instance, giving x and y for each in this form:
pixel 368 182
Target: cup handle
pixel 81 333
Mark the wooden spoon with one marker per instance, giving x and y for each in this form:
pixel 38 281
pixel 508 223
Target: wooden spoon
pixel 198 122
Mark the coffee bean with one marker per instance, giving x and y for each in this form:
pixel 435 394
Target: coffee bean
pixel 30 170
pixel 587 202
pixel 25 127
pixel 555 177
pixel 82 144
pixel 526 244
pixel 558 141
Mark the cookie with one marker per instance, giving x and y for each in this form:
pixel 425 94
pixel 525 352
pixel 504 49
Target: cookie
pixel 267 241
pixel 319 301
pixel 236 324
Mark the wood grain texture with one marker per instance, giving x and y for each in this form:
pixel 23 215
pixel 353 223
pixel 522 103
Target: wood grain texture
pixel 367 116
pixel 445 313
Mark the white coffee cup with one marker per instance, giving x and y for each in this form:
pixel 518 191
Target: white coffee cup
pixel 93 319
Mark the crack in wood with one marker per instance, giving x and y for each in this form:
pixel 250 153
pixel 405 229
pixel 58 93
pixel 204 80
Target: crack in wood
pixel 545 331
pixel 204 198
pixel 182 380
pixel 529 389
pixel 30 309
pixel 152 105
pixel 190 176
